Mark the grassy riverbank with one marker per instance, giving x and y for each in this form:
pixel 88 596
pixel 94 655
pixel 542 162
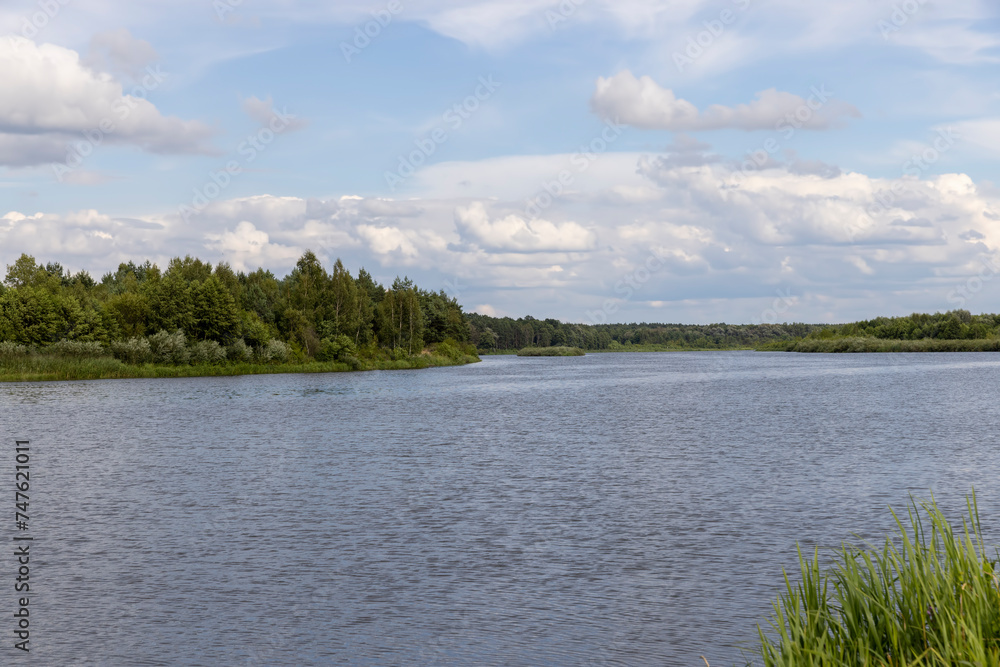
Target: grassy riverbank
pixel 556 351
pixel 929 596
pixel 40 367
pixel 954 331
pixel 871 344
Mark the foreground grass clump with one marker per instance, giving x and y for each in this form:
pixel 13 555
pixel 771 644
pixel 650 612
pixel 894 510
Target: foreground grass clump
pixel 558 351
pixel 929 596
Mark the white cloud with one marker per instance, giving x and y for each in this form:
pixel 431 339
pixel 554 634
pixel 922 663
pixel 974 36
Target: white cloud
pixel 981 134
pixel 245 247
pixel 792 27
pixel 645 104
pixel 956 43
pixel 50 100
pixel 386 240
pixel 512 232
pixel 485 309
pixel 724 243
pixel 264 113
pixel 118 52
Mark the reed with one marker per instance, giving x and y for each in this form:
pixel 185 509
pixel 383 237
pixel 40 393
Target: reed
pixel 928 597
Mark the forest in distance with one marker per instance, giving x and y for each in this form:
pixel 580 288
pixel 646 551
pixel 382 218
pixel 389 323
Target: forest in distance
pixel 952 331
pixel 192 318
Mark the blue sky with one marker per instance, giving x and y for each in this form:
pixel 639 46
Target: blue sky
pixel 249 131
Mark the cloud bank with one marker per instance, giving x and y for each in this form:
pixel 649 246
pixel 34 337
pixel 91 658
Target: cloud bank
pixel 51 100
pixel 644 104
pixel 720 235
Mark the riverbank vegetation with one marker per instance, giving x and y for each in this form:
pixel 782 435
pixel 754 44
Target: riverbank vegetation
pixel 954 331
pixel 929 596
pixel 554 351
pixel 495 334
pixel 195 319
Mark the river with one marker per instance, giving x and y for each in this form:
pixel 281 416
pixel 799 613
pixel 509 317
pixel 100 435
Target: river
pixel 613 509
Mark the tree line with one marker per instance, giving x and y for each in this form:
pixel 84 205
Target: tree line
pixel 316 313
pixel 951 325
pixel 504 333
pixel 331 314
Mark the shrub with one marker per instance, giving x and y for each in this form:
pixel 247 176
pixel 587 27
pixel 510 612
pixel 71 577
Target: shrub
pixel 132 351
pixel 448 348
pixel 240 351
pixel 170 348
pixel 336 348
pixel 275 350
pixel 77 349
pixel 352 361
pixel 207 352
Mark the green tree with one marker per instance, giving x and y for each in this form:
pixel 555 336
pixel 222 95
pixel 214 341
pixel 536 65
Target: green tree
pixel 171 304
pixel 342 310
pixel 369 293
pixel 25 272
pixel 190 269
pixel 261 294
pixel 401 321
pixel 130 313
pixel 307 286
pixel 216 316
pixel 31 316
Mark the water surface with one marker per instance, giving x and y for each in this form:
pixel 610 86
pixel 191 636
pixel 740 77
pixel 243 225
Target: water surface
pixel 618 509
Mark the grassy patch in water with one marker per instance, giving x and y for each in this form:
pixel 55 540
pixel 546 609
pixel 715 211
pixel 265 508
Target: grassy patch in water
pixel 558 351
pixel 929 596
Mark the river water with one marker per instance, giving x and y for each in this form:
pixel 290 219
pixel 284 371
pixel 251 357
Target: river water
pixel 613 509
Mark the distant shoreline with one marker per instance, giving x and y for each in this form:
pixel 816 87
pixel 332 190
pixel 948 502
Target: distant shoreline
pixel 860 345
pixel 813 346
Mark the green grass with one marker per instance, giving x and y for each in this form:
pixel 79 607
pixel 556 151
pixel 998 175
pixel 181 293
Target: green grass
pixel 869 344
pixel 928 597
pixel 556 351
pixel 42 368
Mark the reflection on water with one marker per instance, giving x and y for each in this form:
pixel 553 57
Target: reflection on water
pixel 619 509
